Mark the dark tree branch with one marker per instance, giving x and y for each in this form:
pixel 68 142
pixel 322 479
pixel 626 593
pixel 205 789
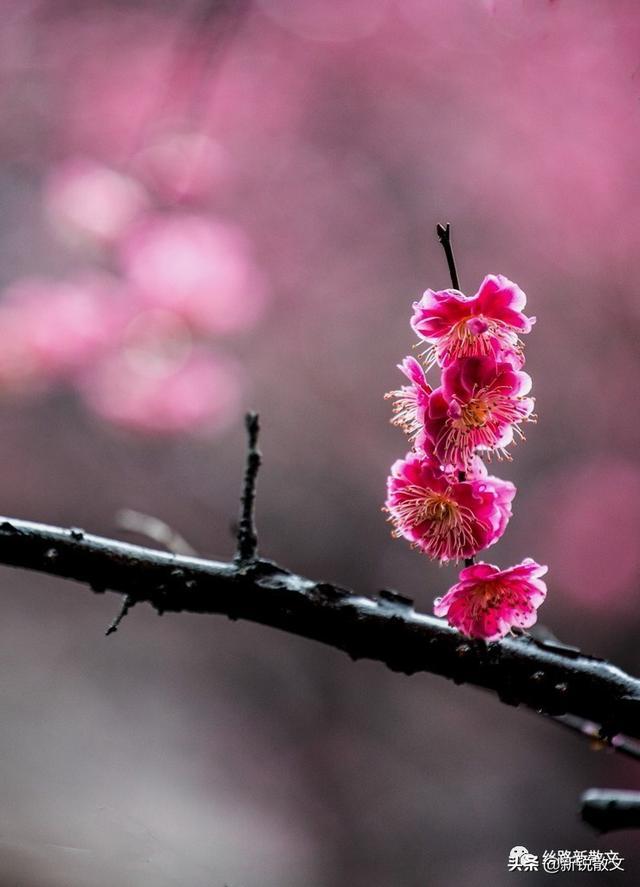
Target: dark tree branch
pixel 608 810
pixel 545 676
pixel 593 732
pixel 247 535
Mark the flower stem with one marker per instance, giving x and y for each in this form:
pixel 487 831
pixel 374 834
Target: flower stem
pixel 444 236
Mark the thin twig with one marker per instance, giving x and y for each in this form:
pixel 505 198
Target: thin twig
pixel 247 549
pixel 127 603
pixel 593 732
pixel 444 236
pixel 608 810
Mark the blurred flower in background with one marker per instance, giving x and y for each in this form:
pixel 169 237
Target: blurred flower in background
pixel 86 201
pixel 54 328
pixel 140 344
pixel 199 268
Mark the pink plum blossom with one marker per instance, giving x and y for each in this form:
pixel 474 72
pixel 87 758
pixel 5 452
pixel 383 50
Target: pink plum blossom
pixel 477 407
pixel 411 400
pixel 504 490
pixel 488 323
pixel 197 267
pixel 487 602
pixel 446 518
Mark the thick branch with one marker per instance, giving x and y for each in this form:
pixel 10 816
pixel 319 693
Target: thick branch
pixel 545 676
pixel 608 810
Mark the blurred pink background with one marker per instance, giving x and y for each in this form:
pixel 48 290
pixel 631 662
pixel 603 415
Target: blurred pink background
pixel 214 206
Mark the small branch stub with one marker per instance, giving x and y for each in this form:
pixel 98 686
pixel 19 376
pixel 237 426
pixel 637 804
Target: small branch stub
pixel 247 537
pixel 127 603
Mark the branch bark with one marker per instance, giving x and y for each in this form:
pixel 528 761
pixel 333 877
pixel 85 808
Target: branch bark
pixel 247 536
pixel 608 810
pixel 545 676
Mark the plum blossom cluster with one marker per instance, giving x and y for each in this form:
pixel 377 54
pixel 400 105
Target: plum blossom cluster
pixel 440 497
pixel 138 328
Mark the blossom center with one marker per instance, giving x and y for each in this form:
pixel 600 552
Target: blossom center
pixel 487 596
pixel 467 337
pixel 445 527
pixel 421 504
pixel 477 325
pixel 439 508
pixel 476 413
